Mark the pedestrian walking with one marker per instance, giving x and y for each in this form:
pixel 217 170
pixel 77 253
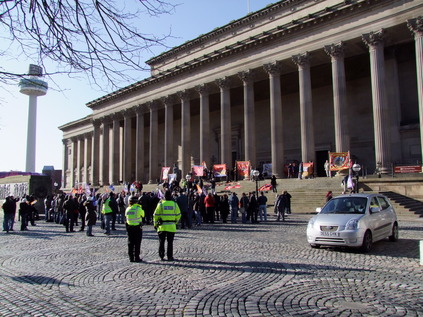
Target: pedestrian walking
pixel 90 215
pixel 166 216
pixel 262 202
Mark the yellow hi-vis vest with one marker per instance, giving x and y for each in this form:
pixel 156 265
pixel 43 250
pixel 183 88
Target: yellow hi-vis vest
pixel 166 216
pixel 106 208
pixel 134 215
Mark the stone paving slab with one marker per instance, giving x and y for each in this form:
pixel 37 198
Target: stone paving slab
pixel 266 269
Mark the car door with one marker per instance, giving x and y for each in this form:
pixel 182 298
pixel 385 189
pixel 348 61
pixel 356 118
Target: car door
pixel 375 219
pixel 387 216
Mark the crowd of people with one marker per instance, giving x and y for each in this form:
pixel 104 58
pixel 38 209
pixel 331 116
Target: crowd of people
pixel 186 207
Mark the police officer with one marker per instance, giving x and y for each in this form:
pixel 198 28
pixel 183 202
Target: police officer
pixel 134 215
pixel 165 217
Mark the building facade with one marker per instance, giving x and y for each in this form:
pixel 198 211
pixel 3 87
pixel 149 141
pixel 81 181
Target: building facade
pixel 290 82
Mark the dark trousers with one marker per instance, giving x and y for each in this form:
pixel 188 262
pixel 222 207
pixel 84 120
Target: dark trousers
pixel 163 236
pixel 210 214
pixel 134 242
pixel 70 221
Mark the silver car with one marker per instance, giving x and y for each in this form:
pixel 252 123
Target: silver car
pixel 355 220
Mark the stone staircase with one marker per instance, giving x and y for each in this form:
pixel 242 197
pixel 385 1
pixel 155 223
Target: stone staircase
pixel 405 206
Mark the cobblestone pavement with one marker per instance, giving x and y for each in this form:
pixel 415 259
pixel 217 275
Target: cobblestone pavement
pixel 266 269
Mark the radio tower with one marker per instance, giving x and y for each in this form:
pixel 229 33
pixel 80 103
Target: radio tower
pixel 33 87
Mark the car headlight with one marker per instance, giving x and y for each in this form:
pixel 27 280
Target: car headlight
pixel 352 224
pixel 311 223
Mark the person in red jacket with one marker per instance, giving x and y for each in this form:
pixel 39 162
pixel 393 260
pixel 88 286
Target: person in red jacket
pixel 209 203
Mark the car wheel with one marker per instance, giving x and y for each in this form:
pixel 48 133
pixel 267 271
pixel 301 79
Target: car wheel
pixel 395 233
pixel 367 242
pixel 315 246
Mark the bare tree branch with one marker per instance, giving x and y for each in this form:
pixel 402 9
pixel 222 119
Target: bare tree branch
pixel 96 37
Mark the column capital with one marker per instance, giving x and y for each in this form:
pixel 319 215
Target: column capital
pixel 373 38
pixel 302 60
pixel 274 68
pixel 153 106
pixel 416 26
pixel 168 100
pixel 335 50
pixel 223 83
pixel 96 122
pixel 128 113
pixel 247 76
pixel 184 95
pixel 116 116
pixel 203 89
pixel 105 119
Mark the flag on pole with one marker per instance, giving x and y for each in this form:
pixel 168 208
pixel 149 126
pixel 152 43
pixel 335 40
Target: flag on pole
pixel 112 188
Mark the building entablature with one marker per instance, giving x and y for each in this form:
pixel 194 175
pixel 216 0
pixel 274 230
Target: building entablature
pixel 304 27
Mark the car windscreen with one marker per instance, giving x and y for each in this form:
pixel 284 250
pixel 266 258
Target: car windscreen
pixel 345 205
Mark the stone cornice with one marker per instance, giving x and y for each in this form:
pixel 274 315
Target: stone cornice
pixel 289 29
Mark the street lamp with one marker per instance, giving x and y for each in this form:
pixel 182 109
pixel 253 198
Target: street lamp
pixel 256 174
pixel 356 168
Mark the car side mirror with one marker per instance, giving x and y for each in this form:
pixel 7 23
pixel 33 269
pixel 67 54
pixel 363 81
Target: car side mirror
pixel 318 209
pixel 374 209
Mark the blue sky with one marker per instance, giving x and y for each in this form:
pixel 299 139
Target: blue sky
pixel 191 19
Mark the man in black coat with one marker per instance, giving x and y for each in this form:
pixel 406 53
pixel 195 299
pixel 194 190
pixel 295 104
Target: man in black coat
pixel 9 209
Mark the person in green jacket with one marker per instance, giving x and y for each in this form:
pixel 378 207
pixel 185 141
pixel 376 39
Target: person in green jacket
pixel 134 215
pixel 166 216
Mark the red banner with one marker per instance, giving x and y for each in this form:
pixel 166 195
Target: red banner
pixel 165 172
pixel 339 161
pixel 265 188
pixel 198 170
pixel 243 168
pixel 219 170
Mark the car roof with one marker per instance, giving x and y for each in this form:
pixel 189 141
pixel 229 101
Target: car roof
pixel 362 195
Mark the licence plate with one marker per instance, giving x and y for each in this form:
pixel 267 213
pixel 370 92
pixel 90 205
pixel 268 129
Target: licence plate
pixel 329 233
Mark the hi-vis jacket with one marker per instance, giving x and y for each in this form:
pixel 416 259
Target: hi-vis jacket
pixel 134 215
pixel 166 216
pixel 106 209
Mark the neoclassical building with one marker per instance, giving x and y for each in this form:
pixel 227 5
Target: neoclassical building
pixel 290 82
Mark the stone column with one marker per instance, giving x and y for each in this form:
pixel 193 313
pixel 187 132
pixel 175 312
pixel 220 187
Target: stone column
pixel 105 153
pixel 65 163
pixel 204 91
pixel 247 78
pixel 416 25
pixel 87 157
pixel 139 146
pixel 79 157
pixel 154 132
pixel 127 146
pixel 276 121
pixel 168 143
pixel 95 160
pixel 115 161
pixel 336 52
pixel 374 40
pixel 306 107
pixel 72 158
pixel 185 132
pixel 225 123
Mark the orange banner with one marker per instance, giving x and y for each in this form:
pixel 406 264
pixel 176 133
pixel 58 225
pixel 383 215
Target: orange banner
pixel 243 168
pixel 339 161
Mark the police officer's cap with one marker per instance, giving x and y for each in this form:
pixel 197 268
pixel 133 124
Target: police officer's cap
pixel 133 199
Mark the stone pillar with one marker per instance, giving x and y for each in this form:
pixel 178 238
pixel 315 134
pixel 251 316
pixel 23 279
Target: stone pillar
pixel 204 91
pixel 127 146
pixel 87 157
pixel 139 146
pixel 247 78
pixel 65 163
pixel 72 158
pixel 416 26
pixel 105 153
pixel 154 132
pixel 95 160
pixel 185 132
pixel 115 161
pixel 374 40
pixel 336 52
pixel 225 123
pixel 306 107
pixel 168 143
pixel 79 157
pixel 276 121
